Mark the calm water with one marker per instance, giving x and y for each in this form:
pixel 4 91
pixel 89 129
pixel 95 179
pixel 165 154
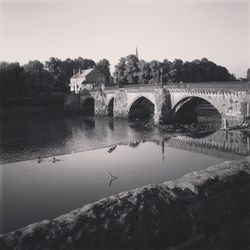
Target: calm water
pixel 32 191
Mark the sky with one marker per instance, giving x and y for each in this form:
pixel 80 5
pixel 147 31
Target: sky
pixel 161 29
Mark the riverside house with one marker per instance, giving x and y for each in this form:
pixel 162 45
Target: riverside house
pixel 87 79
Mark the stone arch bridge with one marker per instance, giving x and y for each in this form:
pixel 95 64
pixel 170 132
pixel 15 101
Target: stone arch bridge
pixel 231 99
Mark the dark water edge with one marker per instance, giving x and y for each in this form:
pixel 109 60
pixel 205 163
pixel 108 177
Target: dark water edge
pixel 24 113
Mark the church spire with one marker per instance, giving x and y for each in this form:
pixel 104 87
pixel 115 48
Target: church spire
pixel 136 53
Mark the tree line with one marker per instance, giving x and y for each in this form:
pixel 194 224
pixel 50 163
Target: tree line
pixel 131 70
pixel 39 83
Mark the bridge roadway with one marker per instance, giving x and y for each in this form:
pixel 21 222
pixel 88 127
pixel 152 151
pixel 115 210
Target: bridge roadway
pixel 230 99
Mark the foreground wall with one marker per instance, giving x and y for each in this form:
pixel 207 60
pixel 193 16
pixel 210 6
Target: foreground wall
pixel 185 212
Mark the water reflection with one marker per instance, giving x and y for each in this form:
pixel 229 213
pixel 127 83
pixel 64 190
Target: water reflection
pixel 205 139
pixel 33 191
pixel 59 174
pixel 163 149
pixel 220 144
pixel 33 138
pixel 134 144
pixel 112 178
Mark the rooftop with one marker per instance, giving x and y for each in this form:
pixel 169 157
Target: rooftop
pixel 83 73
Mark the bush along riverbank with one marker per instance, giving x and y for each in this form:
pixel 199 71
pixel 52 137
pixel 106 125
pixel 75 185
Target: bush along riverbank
pixel 32 107
pixel 208 209
pixel 29 109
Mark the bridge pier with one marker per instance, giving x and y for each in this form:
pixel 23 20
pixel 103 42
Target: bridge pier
pixel 230 121
pixel 120 105
pixel 100 104
pixel 120 99
pixel 156 118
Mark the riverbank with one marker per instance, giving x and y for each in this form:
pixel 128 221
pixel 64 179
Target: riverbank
pixel 201 210
pixel 29 112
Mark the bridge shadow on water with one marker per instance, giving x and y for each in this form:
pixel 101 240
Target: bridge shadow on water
pixel 203 137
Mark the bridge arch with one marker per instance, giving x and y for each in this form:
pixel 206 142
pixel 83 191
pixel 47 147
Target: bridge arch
pixel 214 98
pixel 141 107
pixel 195 108
pixel 88 106
pixel 133 97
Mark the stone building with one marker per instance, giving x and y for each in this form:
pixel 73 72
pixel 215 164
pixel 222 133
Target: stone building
pixel 86 79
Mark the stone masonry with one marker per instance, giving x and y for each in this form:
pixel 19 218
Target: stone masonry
pixel 233 104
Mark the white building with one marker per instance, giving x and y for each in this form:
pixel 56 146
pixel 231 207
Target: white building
pixel 86 79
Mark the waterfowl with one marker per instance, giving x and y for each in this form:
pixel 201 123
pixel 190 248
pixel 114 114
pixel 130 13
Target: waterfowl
pixel 39 160
pixel 54 159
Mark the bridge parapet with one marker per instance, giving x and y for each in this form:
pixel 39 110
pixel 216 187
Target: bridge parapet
pixel 209 91
pixel 234 85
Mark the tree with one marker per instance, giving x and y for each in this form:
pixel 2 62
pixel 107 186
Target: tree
pixel 166 66
pixel 132 69
pixel 11 81
pixel 57 68
pixel 127 70
pixel 204 71
pixel 84 63
pixel 62 70
pixel 248 74
pixel 119 73
pixel 38 81
pixel 104 67
pixel 144 72
pixel 176 71
pixel 155 71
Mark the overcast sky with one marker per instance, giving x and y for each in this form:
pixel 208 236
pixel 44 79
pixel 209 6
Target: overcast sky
pixel 161 29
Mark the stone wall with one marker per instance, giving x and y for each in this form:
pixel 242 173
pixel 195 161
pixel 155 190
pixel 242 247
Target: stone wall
pixel 120 104
pixel 100 104
pixel 200 208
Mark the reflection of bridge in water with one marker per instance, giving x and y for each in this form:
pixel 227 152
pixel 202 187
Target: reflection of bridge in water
pixel 221 144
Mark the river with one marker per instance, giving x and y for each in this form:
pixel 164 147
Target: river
pixel 94 158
